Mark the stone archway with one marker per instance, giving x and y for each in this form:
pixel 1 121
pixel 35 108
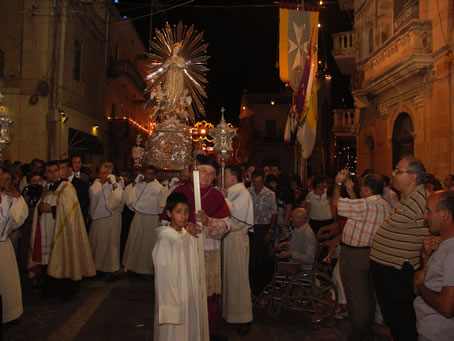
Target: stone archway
pixel 402 140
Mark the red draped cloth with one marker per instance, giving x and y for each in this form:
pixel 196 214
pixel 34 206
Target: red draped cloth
pixel 213 202
pixel 214 205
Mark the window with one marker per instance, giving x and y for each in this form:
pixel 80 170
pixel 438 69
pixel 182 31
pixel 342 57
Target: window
pixel 384 20
pixel 404 11
pixel 2 63
pixel 371 40
pixel 77 59
pixel 367 40
pixel 403 140
pixel 270 130
pixel 117 51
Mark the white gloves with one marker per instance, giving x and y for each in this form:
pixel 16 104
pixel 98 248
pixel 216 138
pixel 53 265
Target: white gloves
pixel 122 182
pixel 112 178
pixel 173 182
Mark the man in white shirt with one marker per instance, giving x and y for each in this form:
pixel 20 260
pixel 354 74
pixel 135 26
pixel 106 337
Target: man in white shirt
pixel 237 307
pixel 141 196
pixel 434 284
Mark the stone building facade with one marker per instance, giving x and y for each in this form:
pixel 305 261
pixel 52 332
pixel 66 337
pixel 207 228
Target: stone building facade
pixel 66 67
pixel 263 117
pixel 400 59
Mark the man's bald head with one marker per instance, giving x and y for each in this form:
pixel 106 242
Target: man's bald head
pixel 299 217
pixel 439 214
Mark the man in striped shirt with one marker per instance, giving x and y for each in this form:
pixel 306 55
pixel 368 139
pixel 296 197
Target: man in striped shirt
pixel 365 216
pixel 395 250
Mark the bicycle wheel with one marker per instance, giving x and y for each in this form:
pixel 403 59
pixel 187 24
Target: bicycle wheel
pixel 311 296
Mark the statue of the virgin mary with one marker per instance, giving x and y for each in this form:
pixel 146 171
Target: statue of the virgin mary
pixel 175 92
pixel 176 79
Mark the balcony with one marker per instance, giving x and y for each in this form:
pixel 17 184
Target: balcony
pixel 344 51
pixel 345 121
pixel 405 55
pixel 119 68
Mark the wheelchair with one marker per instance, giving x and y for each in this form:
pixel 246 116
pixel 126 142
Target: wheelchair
pixel 306 292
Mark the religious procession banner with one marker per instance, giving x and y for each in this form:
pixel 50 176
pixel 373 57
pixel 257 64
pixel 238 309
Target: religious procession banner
pixel 298 61
pixel 307 127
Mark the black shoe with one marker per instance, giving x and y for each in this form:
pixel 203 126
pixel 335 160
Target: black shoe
pixel 219 337
pixel 244 328
pixel 36 283
pixel 112 278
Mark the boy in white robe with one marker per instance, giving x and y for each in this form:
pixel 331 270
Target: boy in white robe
pixel 141 196
pixel 177 292
pixel 14 211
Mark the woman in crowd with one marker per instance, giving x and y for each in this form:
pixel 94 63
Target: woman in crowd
pixel 318 204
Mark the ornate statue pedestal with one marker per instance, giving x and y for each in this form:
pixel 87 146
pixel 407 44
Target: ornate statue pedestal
pixel 171 145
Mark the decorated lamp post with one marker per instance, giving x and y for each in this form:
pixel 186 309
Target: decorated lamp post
pixel 223 135
pixel 5 123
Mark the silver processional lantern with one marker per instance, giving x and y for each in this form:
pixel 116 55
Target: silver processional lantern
pixel 138 152
pixel 223 135
pixel 5 124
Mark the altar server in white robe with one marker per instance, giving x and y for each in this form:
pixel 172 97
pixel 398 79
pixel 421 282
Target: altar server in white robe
pixel 14 211
pixel 178 300
pixel 236 296
pixel 167 189
pixel 142 197
pixel 105 212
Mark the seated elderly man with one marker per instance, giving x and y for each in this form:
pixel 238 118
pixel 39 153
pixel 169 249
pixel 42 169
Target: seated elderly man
pixel 303 244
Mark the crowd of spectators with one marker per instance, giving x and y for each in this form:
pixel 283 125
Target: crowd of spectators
pixel 372 228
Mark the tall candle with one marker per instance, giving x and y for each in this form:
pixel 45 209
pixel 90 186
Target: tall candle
pixel 197 198
pixel 201 252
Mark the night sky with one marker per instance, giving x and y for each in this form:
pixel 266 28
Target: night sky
pixel 243 44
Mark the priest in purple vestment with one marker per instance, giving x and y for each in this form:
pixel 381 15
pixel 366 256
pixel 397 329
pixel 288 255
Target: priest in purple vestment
pixel 214 215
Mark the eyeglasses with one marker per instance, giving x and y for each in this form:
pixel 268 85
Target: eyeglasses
pixel 399 171
pixel 206 172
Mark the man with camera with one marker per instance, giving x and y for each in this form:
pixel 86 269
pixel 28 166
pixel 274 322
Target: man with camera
pixel 365 215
